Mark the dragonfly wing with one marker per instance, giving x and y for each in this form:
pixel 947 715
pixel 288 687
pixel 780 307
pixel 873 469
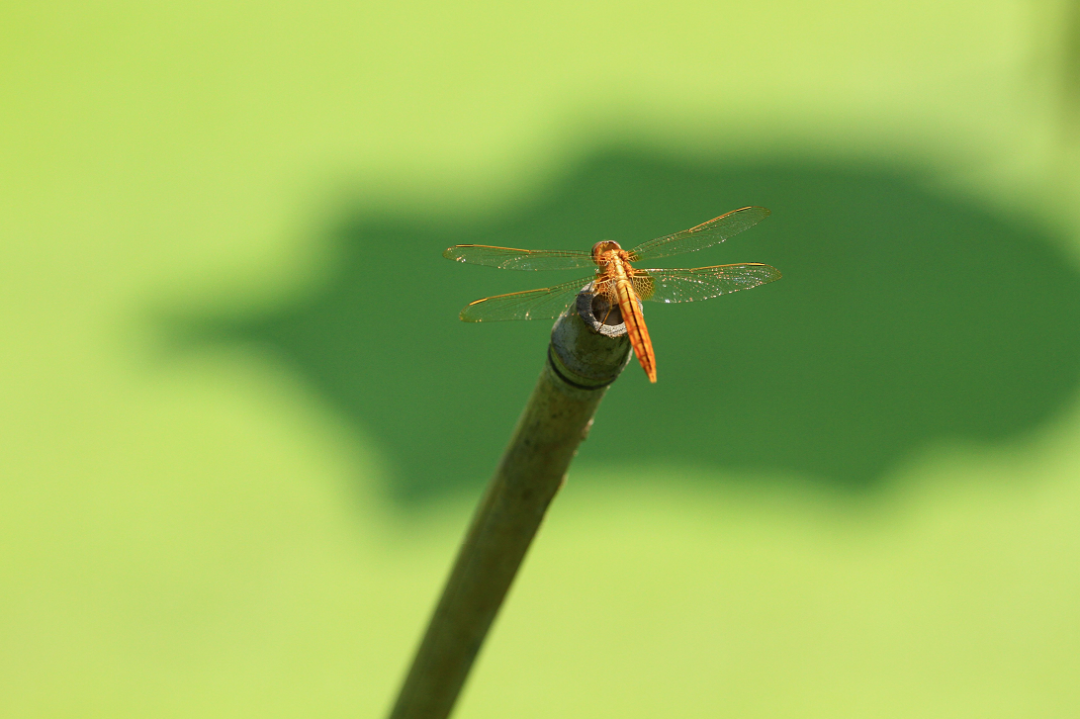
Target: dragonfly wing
pixel 546 303
pixel 509 258
pixel 704 235
pixel 701 283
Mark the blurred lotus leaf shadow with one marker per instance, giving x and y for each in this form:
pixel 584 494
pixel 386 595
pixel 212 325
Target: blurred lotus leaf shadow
pixel 905 318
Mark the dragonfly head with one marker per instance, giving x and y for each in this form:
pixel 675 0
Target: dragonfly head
pixel 600 249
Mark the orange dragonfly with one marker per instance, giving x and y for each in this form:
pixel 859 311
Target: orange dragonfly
pixel 622 284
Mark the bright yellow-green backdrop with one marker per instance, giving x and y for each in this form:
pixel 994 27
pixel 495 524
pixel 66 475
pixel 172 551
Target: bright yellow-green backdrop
pixel 199 532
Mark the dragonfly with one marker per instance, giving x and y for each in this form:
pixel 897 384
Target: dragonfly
pixel 617 279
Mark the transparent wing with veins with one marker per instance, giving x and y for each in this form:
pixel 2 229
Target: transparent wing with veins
pixel 696 238
pixel 680 285
pixel 704 235
pixel 543 304
pixel 509 258
pixel 690 285
pixel 701 283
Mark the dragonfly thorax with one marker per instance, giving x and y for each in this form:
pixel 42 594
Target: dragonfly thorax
pixel 608 253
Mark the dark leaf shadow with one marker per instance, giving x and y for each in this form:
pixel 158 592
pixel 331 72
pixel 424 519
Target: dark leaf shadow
pixel 905 318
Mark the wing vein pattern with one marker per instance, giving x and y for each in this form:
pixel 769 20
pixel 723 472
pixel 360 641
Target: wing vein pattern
pixel 543 304
pixel 704 235
pixel 701 283
pixel 509 258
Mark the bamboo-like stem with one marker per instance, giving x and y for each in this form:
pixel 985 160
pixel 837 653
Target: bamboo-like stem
pixel 580 365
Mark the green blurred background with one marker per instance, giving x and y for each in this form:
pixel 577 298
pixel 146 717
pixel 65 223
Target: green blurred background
pixel 243 430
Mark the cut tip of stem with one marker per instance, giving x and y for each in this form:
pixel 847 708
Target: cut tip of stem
pixel 602 316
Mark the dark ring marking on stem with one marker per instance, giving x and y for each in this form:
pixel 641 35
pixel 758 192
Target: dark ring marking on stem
pixel 572 383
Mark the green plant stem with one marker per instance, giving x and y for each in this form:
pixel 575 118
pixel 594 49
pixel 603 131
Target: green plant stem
pixel 579 368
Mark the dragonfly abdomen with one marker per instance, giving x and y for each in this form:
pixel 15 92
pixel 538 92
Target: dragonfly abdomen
pixel 635 327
